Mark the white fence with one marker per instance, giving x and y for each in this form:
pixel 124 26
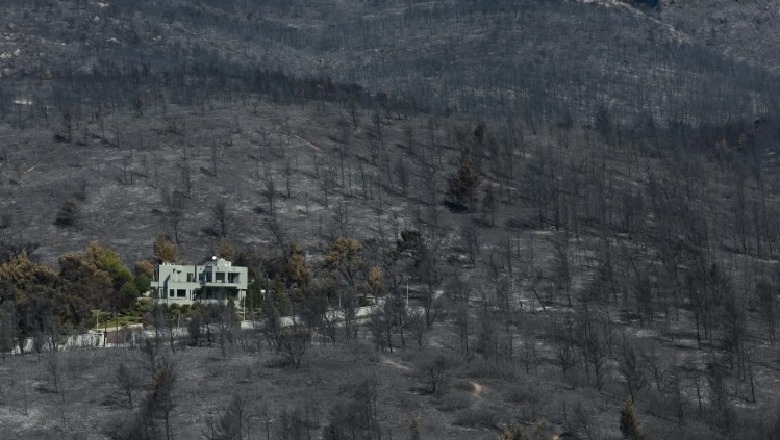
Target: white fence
pixel 129 336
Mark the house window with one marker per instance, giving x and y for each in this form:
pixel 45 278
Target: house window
pixel 220 277
pixel 234 278
pixel 190 277
pixel 170 293
pixel 181 293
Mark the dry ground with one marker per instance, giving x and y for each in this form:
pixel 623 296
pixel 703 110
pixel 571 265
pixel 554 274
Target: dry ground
pixel 206 382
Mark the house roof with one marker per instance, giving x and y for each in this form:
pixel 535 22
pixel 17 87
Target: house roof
pixel 218 262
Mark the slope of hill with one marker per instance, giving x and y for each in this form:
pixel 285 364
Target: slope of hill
pixel 564 59
pixel 743 31
pixel 578 197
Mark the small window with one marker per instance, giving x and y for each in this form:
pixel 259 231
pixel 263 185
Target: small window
pixel 190 277
pixel 170 293
pixel 234 278
pixel 181 293
pixel 220 277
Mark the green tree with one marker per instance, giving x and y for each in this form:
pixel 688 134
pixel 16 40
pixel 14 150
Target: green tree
pixel 143 273
pixel 99 275
pixel 83 278
pixel 345 258
pixel 254 296
pixel 35 301
pixel 109 261
pixel 165 251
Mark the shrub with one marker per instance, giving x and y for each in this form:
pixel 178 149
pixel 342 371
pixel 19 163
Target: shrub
pixel 67 214
pixel 477 418
pixel 434 371
pixel 454 402
pixel 492 369
pixel 524 394
pixel 537 431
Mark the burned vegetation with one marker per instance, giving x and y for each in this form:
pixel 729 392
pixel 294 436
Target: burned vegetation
pixel 460 219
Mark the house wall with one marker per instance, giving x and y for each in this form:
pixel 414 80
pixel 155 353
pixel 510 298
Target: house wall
pixel 211 282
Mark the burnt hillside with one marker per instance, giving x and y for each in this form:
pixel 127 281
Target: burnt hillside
pixel 577 202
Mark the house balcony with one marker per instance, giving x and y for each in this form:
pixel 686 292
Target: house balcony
pixel 223 284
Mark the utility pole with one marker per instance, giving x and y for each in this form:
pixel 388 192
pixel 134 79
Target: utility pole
pixel 407 295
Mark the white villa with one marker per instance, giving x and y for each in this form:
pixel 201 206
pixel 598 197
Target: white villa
pixel 212 282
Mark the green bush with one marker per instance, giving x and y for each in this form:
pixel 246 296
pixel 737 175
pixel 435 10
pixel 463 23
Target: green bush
pixel 142 307
pixel 142 283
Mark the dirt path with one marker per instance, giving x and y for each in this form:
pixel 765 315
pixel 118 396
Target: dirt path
pixel 306 142
pixel 478 388
pixel 395 364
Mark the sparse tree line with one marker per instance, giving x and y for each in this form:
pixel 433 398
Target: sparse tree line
pixel 42 303
pixel 656 256
pixel 171 71
pixel 655 226
pixel 656 259
pixel 660 255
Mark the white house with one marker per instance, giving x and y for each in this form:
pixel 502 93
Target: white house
pixel 212 282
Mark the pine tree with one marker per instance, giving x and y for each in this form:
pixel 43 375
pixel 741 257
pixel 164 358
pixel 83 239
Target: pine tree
pixel 629 425
pixel 414 429
pixel 463 185
pixel 296 270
